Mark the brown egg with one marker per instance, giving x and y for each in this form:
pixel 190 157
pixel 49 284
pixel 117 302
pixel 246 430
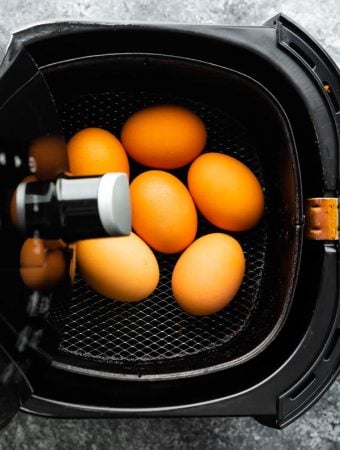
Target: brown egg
pixel 226 191
pixel 55 244
pixel 120 268
pixel 48 157
pixel 208 274
pixel 40 268
pixel 73 263
pixel 33 253
pixel 93 151
pixel 163 212
pixel 164 136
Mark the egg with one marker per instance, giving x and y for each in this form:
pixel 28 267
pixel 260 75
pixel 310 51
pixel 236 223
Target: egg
pixel 163 212
pixel 73 263
pixel 208 274
pixel 13 202
pixel 40 268
pixel 164 136
pixel 120 268
pixel 226 191
pixel 33 253
pixel 54 244
pixel 48 157
pixel 94 151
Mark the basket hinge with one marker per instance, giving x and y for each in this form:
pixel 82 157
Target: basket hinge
pixel 322 219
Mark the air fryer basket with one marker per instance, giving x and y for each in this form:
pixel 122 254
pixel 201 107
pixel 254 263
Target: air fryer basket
pixel 155 338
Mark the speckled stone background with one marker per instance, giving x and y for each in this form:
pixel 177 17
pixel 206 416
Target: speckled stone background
pixel 320 427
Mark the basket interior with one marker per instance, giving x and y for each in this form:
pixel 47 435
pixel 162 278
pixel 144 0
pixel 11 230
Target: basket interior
pixel 155 336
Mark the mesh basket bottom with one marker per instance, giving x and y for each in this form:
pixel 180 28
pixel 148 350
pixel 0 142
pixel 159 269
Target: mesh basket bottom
pixel 156 330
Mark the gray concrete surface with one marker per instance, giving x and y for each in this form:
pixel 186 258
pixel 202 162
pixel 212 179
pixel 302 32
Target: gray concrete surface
pixel 320 18
pixel 320 427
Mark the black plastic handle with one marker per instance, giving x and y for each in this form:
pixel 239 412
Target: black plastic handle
pixel 75 208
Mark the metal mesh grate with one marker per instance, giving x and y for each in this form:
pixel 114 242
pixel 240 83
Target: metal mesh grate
pixel 156 329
